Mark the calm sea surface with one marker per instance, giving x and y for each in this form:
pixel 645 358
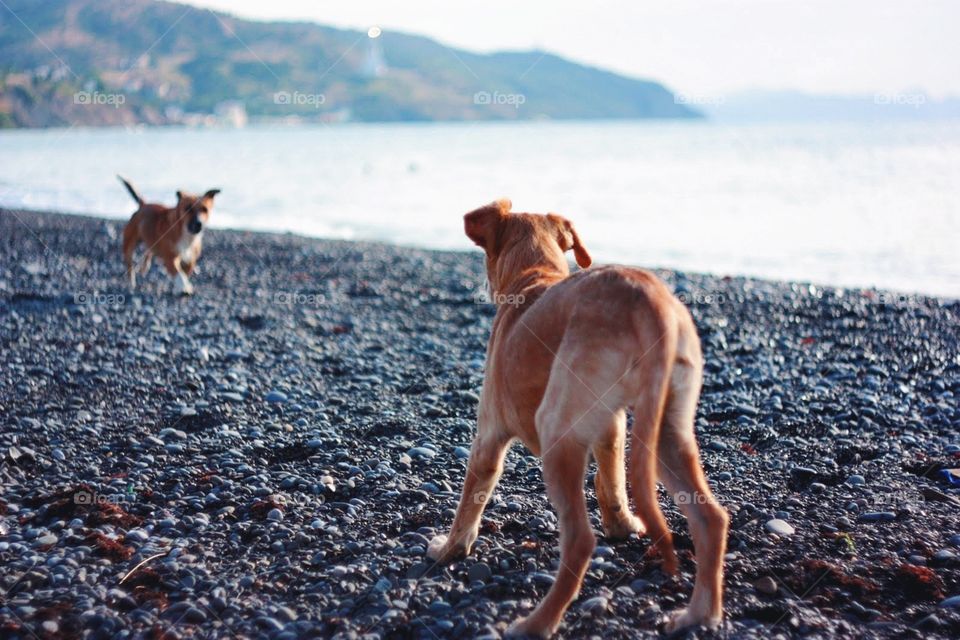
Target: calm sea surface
pixel 843 204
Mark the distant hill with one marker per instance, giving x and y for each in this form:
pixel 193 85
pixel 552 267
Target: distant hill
pixel 796 106
pixel 132 61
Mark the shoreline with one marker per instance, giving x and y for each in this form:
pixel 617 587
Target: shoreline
pixel 893 295
pixel 292 436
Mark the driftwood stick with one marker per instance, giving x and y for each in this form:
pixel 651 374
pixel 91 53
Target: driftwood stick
pixel 141 563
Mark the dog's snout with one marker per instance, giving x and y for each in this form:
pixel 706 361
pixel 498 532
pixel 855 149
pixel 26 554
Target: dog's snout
pixel 195 226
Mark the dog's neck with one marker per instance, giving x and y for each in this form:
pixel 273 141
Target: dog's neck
pixel 526 271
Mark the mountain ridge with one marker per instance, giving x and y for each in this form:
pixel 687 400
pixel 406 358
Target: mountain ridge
pixel 155 62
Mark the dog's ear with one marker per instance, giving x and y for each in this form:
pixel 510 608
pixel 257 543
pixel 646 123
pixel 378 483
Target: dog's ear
pixel 481 224
pixel 570 239
pixel 210 194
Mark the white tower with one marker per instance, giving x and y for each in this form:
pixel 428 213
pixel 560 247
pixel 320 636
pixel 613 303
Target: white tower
pixel 374 65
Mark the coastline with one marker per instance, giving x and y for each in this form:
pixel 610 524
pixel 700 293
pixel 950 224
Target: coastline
pixel 295 434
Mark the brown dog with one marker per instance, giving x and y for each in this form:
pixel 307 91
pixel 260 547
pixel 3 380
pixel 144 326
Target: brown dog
pixel 568 354
pixel 174 235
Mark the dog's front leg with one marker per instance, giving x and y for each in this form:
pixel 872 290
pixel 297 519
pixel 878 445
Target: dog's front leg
pixel 181 284
pixel 483 471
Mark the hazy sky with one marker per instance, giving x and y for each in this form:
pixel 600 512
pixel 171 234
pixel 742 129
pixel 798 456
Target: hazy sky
pixel 694 46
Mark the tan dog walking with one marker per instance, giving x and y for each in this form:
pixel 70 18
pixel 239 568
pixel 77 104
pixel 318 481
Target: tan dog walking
pixel 567 356
pixel 173 234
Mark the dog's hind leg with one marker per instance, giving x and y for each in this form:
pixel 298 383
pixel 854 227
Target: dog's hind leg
pixel 483 471
pixel 653 375
pixel 683 476
pixel 571 417
pixel 610 481
pixel 145 263
pixel 131 239
pixel 564 466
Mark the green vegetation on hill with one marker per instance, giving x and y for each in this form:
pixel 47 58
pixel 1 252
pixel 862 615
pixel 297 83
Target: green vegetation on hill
pixel 131 61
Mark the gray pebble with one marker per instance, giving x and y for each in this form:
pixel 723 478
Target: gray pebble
pixel 779 527
pixel 479 572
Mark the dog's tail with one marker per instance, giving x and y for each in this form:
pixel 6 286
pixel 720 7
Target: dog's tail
pixel 133 192
pixel 654 368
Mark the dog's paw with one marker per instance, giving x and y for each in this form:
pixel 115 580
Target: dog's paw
pixel 182 287
pixel 442 550
pixel 623 527
pixel 683 618
pixel 526 628
pixel 436 549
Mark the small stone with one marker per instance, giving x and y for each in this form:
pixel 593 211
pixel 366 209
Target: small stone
pixel 46 540
pixel 639 585
pixel 195 615
pixel 855 481
pixel 286 614
pixel 952 602
pixel 137 535
pixel 878 516
pixel 803 474
pixel 418 570
pixel 461 453
pixel 596 605
pixel 276 397
pixel 270 624
pixel 275 515
pixel 766 585
pixel 479 572
pixel 779 527
pixel 422 453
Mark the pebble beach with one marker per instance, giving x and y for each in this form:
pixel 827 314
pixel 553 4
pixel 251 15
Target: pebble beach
pixel 270 457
